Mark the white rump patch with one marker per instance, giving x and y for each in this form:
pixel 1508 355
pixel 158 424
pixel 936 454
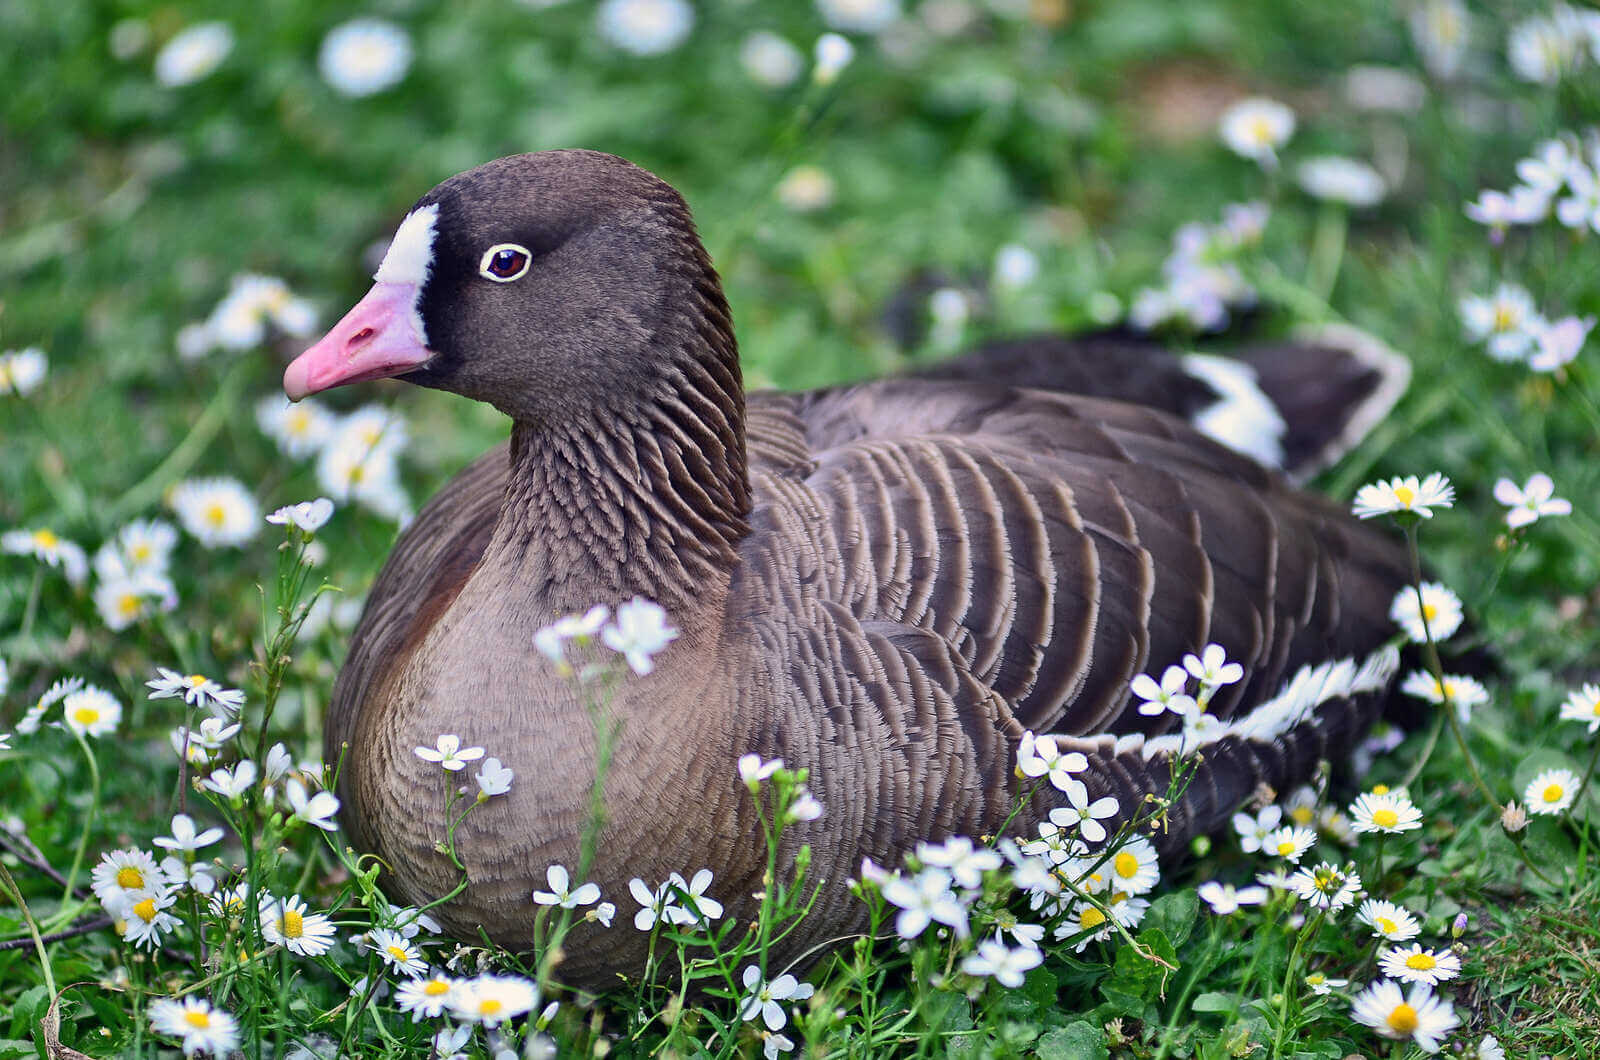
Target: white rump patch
pixel 1301 695
pixel 409 259
pixel 1243 419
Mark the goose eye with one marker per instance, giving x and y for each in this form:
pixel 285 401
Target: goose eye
pixel 505 262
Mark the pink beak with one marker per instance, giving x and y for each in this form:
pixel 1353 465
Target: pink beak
pixel 378 338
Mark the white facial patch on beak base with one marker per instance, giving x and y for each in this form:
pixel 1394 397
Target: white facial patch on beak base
pixel 410 259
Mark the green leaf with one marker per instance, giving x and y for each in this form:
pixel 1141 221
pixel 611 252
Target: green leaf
pixel 1173 915
pixel 1214 1001
pixel 1075 1041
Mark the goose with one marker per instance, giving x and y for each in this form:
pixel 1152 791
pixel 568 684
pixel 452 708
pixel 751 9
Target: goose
pixel 888 583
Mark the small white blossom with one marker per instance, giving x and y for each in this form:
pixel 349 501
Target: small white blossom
pixel 1418 964
pixel 770 60
pixel 1505 320
pixel 184 837
pixel 859 16
pixel 1224 899
pixel 1254 829
pixel 1389 921
pixel 493 778
pixel 143 922
pixel 202 1027
pixel 922 900
pixel 309 516
pixel 231 783
pixel 1440 29
pixel 831 55
pixel 197 690
pixel 493 999
pixel 1015 266
pixel 1335 178
pixel 286 922
pixel 1085 815
pixel 639 633
pixel 398 952
pixel 22 371
pixel 1434 612
pixel 49 548
pixel 562 894
pixel 217 512
pixel 424 997
pixel 1551 792
pixel 551 641
pixel 449 753
pixel 965 862
pixel 316 810
pixel 645 27
pixel 142 547
pixel 364 56
pixel 1289 842
pixel 1557 343
pixel 1169 695
pixel 1327 886
pixel 1583 706
pixel 1007 966
pixel 122 601
pixel 656 906
pixel 299 428
pixel 753 770
pixel 1539 51
pixel 695 905
pixel 193 54
pixel 1528 504
pixel 763 998
pixel 1256 128
pixel 1040 756
pixel 91 711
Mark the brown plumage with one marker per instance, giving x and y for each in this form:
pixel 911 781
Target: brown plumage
pixel 885 583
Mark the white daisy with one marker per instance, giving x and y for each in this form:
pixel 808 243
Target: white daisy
pixel 143 546
pixel 449 753
pixel 1505 320
pixel 1134 868
pixel 1440 29
pixel 1224 899
pixel 1327 886
pixel 1322 986
pixel 286 922
pixel 1583 705
pixel 1404 495
pixel 217 512
pixel 203 1027
pixel 424 996
pixel 1539 51
pixel 122 601
pixel 193 54
pixel 22 371
pixel 1389 921
pixel 91 711
pixel 298 428
pixel 351 468
pixel 1256 128
pixel 1417 964
pixel 1389 812
pixel 492 999
pixel 239 321
pixel 398 952
pixel 123 877
pixel 1433 612
pixel 560 892
pixel 144 920
pixel 806 189
pixel 645 27
pixel 364 56
pixel 1551 792
pixel 1488 1048
pixel 1289 842
pixel 49 548
pixel 1007 966
pixel 1465 693
pixel 59 690
pixel 197 690
pixel 770 60
pixel 194 874
pixel 1335 178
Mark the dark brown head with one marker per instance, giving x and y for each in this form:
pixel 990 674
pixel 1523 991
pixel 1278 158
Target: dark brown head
pixel 542 284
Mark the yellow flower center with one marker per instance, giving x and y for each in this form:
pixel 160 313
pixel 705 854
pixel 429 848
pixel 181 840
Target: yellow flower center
pixel 1405 495
pixel 490 1006
pixel 1403 1020
pixel 196 680
pixel 46 539
pixel 1505 318
pixel 435 987
pixel 1552 793
pixel 128 604
pixel 1286 847
pixel 1380 789
pixel 1127 865
pixel 1385 817
pixel 140 552
pixel 1421 962
pixel 1090 918
pixel 1301 815
pixel 293 924
pixel 1261 131
pixel 1387 926
pixel 130 878
pixel 1596 708
pixel 1316 979
pixel 87 716
pixel 357 473
pixel 299 421
pixel 216 514
pixel 145 910
pixel 399 953
pixel 1430 612
pixel 197 1019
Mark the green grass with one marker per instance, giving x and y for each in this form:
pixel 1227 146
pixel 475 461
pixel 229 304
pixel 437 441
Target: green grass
pixel 128 206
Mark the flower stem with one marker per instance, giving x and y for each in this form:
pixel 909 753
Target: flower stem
pixel 94 812
pixel 1288 981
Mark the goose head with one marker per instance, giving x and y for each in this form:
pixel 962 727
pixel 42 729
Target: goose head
pixel 531 282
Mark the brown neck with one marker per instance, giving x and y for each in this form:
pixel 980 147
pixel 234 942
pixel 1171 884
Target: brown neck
pixel 650 500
